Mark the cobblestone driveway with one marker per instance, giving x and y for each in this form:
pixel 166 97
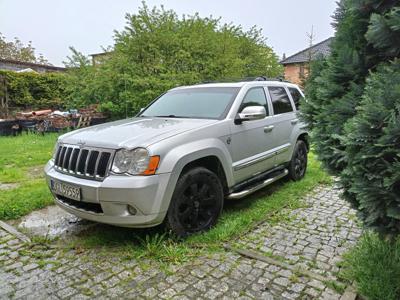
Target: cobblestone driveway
pixel 293 259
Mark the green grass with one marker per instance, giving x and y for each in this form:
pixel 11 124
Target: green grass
pixel 237 218
pixel 374 265
pixel 22 160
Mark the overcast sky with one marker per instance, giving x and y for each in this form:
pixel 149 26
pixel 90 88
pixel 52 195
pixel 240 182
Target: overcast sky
pixel 54 25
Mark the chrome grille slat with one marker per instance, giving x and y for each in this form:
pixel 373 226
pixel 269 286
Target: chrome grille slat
pixel 91 164
pixel 70 159
pixel 63 154
pixel 86 163
pixel 97 164
pixel 77 161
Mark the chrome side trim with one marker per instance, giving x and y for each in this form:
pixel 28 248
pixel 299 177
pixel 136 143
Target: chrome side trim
pixel 260 157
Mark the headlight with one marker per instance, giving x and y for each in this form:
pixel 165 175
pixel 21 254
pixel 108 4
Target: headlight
pixel 135 162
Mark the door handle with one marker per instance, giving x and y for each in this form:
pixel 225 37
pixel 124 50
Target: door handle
pixel 268 128
pixel 294 121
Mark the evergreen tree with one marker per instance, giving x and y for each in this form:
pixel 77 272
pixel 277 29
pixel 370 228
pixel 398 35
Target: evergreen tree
pixel 372 141
pixel 353 109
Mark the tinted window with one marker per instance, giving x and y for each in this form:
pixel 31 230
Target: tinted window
pixel 255 97
pixel 296 96
pixel 280 100
pixel 208 103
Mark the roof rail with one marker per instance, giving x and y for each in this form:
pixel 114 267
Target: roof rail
pixel 245 79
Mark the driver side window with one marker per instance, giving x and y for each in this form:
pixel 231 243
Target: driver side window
pixel 255 97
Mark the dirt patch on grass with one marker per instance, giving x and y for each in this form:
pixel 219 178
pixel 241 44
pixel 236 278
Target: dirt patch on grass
pixel 35 172
pixel 8 186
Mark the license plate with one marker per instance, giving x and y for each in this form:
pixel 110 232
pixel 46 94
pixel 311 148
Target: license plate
pixel 66 190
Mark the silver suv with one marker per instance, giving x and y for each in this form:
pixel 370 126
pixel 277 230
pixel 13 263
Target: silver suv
pixel 182 155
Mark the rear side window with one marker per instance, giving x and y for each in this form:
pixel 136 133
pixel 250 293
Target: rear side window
pixel 296 96
pixel 280 100
pixel 255 97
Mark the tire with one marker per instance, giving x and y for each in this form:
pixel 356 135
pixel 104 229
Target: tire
pixel 298 163
pixel 196 203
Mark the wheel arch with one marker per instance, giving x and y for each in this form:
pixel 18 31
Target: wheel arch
pixel 211 154
pixel 305 138
pixel 211 163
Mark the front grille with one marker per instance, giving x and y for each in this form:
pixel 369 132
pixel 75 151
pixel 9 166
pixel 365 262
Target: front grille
pixel 91 163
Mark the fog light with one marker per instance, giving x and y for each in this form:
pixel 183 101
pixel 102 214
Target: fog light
pixel 132 210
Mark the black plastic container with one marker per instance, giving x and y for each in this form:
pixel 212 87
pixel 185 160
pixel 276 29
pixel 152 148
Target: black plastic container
pixel 96 121
pixel 6 127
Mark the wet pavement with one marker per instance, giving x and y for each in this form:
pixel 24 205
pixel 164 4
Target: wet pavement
pixel 52 222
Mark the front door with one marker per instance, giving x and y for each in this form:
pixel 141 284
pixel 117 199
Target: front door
pixel 251 147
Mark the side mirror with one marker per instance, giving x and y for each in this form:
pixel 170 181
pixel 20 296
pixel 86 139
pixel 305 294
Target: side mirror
pixel 251 113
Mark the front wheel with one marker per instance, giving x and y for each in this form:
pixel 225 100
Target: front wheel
pixel 196 203
pixel 298 163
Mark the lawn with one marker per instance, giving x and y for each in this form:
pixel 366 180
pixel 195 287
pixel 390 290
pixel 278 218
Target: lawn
pixel 22 160
pixel 374 265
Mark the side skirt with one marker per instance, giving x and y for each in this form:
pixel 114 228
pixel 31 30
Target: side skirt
pixel 250 186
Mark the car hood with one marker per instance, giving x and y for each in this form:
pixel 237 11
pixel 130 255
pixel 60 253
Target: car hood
pixel 130 133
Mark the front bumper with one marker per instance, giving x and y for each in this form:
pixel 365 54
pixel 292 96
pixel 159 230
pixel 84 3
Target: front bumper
pixel 107 201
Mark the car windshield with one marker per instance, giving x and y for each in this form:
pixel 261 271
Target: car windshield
pixel 201 102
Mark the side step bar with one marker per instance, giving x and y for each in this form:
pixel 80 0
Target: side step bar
pixel 250 190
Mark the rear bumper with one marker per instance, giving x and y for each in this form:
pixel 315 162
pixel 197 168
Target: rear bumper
pixel 107 201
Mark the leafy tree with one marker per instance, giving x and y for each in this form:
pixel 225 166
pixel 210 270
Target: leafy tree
pixel 157 50
pixel 353 109
pixel 16 50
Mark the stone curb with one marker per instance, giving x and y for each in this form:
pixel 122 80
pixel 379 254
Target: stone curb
pixel 269 260
pixel 349 293
pixel 10 229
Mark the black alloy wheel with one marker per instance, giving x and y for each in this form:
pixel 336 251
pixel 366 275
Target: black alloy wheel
pixel 298 164
pixel 197 202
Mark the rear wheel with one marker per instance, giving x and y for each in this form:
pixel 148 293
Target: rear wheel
pixel 298 164
pixel 196 203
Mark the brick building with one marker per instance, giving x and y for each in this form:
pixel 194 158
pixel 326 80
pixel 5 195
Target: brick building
pixel 296 66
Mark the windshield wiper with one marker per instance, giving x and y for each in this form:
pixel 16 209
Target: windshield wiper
pixel 169 116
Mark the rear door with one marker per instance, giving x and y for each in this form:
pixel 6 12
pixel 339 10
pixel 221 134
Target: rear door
pixel 284 120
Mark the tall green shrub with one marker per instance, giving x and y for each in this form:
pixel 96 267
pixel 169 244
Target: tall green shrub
pixel 33 90
pixel 352 107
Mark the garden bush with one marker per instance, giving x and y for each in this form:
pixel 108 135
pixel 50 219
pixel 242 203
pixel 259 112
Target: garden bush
pixel 34 90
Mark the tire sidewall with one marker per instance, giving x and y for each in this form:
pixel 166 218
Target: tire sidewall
pixel 299 144
pixel 191 176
